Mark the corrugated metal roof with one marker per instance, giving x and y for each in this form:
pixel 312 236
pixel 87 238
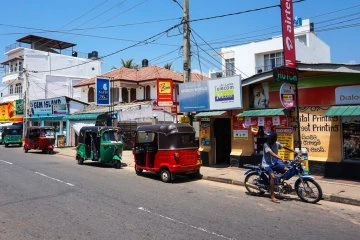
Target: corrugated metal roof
pixel 343 111
pixel 263 112
pixel 210 114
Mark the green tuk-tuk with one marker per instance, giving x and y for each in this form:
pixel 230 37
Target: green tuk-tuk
pixel 100 144
pixel 11 135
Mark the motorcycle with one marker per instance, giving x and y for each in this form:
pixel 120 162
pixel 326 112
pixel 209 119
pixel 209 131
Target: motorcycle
pixel 257 182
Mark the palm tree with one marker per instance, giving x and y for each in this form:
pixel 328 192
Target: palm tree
pixel 168 66
pixel 129 64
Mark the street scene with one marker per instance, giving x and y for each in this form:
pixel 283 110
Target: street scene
pixel 180 119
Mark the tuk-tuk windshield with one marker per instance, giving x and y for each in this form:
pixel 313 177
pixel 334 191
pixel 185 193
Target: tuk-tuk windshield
pixel 177 141
pixel 13 132
pixel 111 135
pixel 48 132
pixel 145 137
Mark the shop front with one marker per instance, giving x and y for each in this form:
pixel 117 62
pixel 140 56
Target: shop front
pixel 213 100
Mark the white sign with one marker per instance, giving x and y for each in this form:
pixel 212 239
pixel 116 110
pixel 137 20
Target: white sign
pixel 287 95
pixel 347 95
pixel 225 93
pixel 44 107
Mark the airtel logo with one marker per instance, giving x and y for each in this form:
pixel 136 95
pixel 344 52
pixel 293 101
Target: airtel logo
pixel 288 22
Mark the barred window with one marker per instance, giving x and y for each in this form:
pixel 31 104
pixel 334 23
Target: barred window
pixel 273 60
pixel 18 88
pixel 230 66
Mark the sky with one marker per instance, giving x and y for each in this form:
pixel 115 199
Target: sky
pixel 151 29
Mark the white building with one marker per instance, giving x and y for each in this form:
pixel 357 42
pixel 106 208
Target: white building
pixel 256 57
pixel 50 72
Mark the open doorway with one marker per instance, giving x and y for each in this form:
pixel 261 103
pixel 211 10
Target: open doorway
pixel 222 134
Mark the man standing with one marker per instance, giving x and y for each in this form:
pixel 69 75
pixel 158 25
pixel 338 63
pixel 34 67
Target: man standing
pixel 271 161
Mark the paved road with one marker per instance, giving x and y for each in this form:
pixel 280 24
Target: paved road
pixel 50 197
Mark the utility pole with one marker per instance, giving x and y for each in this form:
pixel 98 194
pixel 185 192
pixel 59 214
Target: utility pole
pixel 187 56
pixel 26 100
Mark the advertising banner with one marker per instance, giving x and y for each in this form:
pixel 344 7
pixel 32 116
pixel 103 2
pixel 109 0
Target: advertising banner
pixel 102 87
pixel 8 112
pixel 287 24
pixel 287 95
pixel 225 93
pixel 44 107
pixel 216 94
pixel 194 96
pixel 205 133
pixel 347 95
pixel 285 137
pixel 164 92
pixel 19 107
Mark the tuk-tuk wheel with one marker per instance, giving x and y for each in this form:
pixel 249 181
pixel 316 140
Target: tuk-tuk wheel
pixel 138 171
pixel 118 164
pixel 26 150
pixel 165 175
pixel 6 144
pixel 80 160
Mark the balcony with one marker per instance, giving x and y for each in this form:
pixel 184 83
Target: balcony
pixel 12 77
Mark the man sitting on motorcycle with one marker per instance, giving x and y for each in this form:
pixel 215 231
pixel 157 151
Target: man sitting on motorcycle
pixel 271 161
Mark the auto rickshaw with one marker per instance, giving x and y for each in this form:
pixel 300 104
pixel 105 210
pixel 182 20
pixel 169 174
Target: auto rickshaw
pixel 168 149
pixel 40 138
pixel 100 144
pixel 12 135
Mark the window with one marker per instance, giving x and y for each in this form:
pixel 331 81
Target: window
pixel 230 67
pixel 11 89
pixel 125 95
pixel 147 93
pixel 18 88
pixel 91 97
pixel 20 66
pixel 133 95
pixel 114 94
pixel 273 60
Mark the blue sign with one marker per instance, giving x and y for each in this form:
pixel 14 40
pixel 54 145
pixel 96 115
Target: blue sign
pixel 194 96
pixel 102 88
pixel 297 21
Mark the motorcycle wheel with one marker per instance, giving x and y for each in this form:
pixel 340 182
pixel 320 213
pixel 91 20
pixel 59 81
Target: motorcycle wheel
pixel 251 181
pixel 308 190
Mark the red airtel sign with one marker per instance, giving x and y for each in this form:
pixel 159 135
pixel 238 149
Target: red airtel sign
pixel 287 24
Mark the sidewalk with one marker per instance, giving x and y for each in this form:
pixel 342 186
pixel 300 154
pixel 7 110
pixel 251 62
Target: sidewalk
pixel 334 190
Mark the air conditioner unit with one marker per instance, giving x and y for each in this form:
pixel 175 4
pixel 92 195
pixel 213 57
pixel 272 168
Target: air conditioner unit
pixel 216 75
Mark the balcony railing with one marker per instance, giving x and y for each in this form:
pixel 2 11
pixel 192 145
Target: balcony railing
pixel 265 68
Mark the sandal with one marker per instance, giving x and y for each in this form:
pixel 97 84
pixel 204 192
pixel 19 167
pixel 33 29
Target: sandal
pixel 275 200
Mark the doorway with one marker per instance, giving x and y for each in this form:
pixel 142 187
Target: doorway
pixel 222 134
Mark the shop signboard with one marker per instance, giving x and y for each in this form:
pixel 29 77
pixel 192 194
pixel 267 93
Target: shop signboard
pixel 102 87
pixel 347 95
pixel 164 92
pixel 286 75
pixel 45 107
pixel 215 94
pixel 287 95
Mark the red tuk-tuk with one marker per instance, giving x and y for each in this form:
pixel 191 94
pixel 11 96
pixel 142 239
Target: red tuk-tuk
pixel 168 149
pixel 40 138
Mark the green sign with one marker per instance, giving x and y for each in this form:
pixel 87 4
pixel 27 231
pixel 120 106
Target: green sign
pixel 287 75
pixel 19 106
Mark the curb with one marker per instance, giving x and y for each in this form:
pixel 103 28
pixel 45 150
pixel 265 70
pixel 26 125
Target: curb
pixel 326 197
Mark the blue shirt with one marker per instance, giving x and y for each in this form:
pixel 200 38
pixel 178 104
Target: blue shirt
pixel 268 160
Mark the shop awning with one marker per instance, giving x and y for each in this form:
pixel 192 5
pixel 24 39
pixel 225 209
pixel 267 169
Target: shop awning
pixel 46 118
pixel 343 111
pixel 210 114
pixel 83 116
pixel 263 112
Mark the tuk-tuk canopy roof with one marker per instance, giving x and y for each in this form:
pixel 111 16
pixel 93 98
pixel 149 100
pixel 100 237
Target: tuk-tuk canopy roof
pixel 167 128
pixel 13 127
pixel 95 128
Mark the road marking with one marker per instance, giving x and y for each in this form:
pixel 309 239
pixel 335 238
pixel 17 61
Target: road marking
pixel 55 179
pixel 188 225
pixel 6 162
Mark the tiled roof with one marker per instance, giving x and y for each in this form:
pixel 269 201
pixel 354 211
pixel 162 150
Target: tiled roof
pixel 150 73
